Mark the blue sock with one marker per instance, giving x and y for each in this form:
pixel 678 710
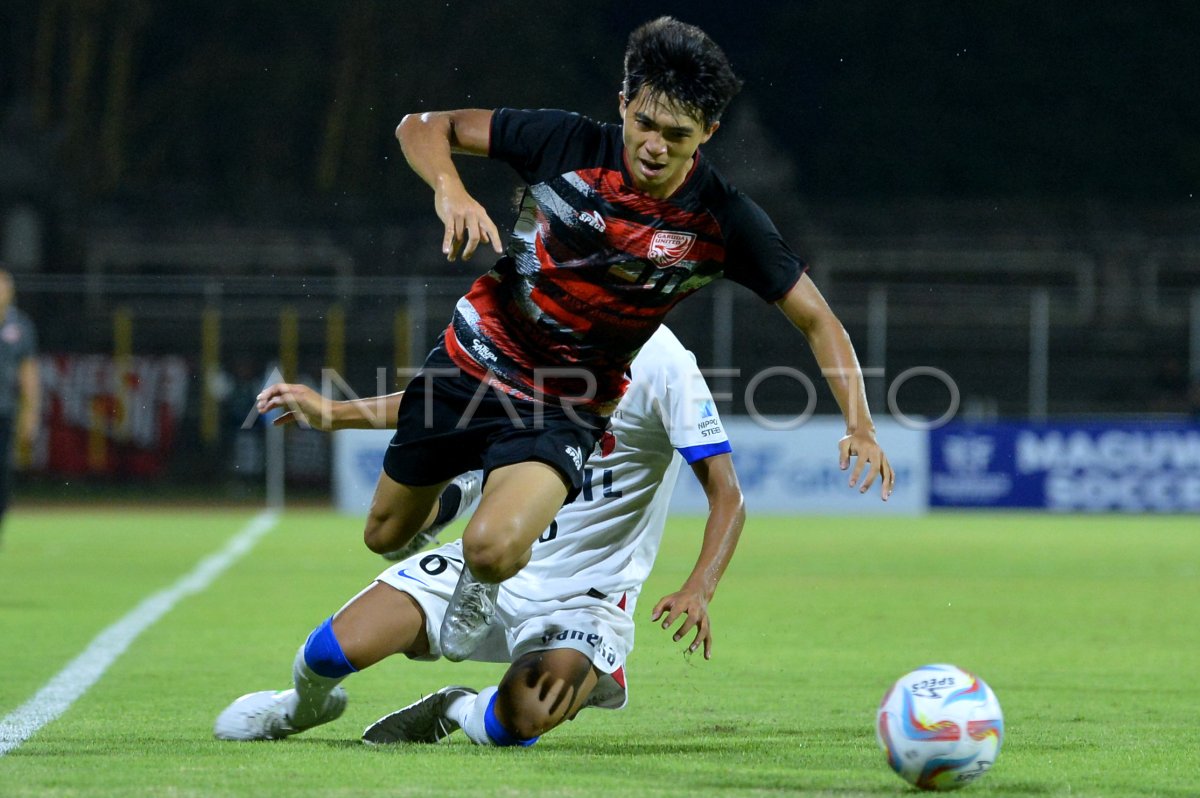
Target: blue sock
pixel 323 653
pixel 499 734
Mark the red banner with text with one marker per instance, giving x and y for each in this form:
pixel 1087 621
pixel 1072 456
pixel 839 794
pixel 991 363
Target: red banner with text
pixel 109 417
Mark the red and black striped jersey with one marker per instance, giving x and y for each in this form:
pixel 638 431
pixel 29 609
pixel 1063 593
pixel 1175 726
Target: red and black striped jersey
pixel 593 265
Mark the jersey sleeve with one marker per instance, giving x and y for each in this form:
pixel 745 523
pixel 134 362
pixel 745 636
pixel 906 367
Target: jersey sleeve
pixel 758 257
pixel 545 143
pixel 689 413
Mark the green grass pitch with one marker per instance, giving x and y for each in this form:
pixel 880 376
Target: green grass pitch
pixel 1088 629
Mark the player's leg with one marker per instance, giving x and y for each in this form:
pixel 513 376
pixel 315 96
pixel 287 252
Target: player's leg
pixel 542 689
pixel 378 622
pixel 519 502
pixel 456 499
pixel 398 512
pixel 534 465
pixel 566 654
pixel 431 578
pixel 429 451
pixel 539 692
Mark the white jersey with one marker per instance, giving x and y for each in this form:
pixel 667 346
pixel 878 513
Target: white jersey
pixel 606 540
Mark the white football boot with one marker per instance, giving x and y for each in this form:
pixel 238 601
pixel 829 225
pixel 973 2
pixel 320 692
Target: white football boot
pixel 271 715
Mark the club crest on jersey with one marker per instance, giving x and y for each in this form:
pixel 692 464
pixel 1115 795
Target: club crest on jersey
pixel 668 247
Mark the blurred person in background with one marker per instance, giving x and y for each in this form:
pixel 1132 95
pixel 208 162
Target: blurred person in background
pixel 20 389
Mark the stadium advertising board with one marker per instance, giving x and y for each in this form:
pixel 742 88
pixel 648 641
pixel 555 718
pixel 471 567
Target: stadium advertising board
pixel 781 471
pixel 108 416
pixel 1085 466
pixel 796 470
pixel 357 461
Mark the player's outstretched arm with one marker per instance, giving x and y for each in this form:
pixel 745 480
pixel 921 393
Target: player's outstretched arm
pixel 428 140
pixel 308 408
pixel 726 517
pixel 830 342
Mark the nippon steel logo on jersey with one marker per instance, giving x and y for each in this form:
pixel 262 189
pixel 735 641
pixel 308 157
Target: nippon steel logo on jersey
pixel 668 247
pixel 710 423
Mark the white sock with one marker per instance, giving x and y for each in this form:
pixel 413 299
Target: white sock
pixel 469 711
pixel 311 690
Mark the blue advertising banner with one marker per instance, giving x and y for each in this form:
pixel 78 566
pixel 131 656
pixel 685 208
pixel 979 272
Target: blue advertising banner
pixel 796 470
pixel 1084 466
pixel 781 471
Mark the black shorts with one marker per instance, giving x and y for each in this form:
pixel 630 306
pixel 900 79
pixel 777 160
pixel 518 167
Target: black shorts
pixel 439 436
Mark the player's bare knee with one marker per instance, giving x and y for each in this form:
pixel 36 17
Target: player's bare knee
pixel 382 533
pixel 492 558
pixel 543 689
pixel 373 534
pixel 529 724
pixel 488 562
pixel 527 715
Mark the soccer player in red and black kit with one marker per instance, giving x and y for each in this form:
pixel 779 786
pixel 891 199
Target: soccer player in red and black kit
pixel 618 223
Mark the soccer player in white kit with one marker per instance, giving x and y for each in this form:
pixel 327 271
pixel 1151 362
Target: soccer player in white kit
pixel 564 622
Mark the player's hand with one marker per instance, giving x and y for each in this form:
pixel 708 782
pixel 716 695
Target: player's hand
pixel 304 406
pixel 694 605
pixel 467 224
pixel 870 463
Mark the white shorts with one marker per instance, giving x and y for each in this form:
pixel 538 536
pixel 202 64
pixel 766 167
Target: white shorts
pixel 597 627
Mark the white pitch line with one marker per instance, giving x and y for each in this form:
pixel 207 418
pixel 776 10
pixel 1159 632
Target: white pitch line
pixel 81 673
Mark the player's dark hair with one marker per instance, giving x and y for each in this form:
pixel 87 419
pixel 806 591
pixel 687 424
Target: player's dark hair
pixel 669 58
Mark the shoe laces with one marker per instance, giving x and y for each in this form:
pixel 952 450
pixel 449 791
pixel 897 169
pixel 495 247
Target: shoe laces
pixel 478 601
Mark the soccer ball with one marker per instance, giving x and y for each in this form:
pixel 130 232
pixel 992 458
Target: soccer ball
pixel 940 726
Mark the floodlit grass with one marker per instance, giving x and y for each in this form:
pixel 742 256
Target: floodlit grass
pixel 1086 628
